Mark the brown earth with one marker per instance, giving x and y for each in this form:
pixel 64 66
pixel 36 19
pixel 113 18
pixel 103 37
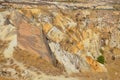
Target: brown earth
pixel 4 78
pixel 32 60
pixel 33 52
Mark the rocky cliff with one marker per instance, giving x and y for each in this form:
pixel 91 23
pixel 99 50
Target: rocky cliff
pixel 48 39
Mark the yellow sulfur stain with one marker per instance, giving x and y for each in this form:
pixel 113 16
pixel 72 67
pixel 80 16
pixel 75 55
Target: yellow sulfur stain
pixel 47 27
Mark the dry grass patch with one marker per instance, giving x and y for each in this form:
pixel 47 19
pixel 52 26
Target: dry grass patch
pixel 33 60
pixel 4 78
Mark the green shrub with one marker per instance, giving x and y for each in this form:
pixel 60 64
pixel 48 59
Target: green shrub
pixel 101 59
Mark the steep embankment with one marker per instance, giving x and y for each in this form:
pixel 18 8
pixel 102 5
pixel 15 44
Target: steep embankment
pixel 60 40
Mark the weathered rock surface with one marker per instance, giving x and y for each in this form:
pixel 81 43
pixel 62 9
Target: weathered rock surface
pixel 56 38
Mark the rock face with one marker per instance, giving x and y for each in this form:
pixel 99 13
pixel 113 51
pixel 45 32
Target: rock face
pixel 74 39
pixel 30 37
pixel 23 35
pixel 7 33
pixel 55 36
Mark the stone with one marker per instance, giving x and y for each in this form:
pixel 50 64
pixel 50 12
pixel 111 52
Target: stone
pixel 54 37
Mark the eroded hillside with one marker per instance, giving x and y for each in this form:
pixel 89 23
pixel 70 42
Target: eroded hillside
pixel 44 40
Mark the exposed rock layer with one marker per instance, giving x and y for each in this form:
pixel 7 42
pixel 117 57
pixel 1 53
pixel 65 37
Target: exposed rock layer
pixel 70 37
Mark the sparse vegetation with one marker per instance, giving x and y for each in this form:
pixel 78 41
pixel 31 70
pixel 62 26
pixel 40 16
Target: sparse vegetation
pixel 31 59
pixel 101 59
